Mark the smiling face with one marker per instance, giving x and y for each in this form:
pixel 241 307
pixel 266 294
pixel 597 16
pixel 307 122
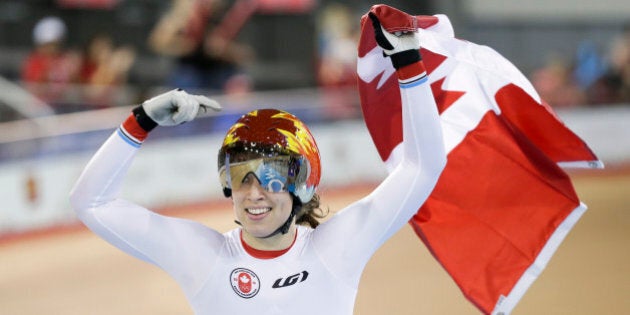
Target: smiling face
pixel 259 211
pixel 269 133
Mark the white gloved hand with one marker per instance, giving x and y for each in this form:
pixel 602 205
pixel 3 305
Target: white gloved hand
pixel 402 42
pixel 176 107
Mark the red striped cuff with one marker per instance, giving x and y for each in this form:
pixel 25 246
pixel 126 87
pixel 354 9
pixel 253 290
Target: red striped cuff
pixel 133 129
pixel 411 70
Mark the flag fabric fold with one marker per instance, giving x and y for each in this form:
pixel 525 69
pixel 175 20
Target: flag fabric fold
pixel 503 203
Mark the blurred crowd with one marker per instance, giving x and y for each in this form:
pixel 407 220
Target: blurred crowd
pixel 191 32
pixel 589 77
pixel 200 37
pixel 52 70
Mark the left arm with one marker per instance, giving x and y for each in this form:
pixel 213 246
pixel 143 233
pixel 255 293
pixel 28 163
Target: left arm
pixel 350 238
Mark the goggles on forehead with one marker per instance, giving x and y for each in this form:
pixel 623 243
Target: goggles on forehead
pixel 275 174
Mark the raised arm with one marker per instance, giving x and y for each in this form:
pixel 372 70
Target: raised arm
pixel 350 238
pixel 137 231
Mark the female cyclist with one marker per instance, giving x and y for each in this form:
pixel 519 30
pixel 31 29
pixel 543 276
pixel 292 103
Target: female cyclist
pixel 280 259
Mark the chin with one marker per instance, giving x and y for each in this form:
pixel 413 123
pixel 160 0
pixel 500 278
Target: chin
pixel 257 231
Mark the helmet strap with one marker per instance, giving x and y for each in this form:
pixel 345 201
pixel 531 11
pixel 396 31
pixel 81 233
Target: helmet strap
pixel 284 228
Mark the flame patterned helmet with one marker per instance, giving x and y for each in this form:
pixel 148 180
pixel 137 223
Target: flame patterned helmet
pixel 270 133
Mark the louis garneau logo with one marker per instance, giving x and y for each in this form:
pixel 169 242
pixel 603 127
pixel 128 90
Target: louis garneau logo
pixel 290 280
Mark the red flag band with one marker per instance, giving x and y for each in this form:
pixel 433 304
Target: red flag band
pixel 502 205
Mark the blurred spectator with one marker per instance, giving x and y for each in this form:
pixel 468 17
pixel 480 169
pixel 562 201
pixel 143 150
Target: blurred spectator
pixel 204 58
pixel 338 38
pixel 50 67
pixel 104 64
pixel 104 69
pixel 590 65
pixel 555 84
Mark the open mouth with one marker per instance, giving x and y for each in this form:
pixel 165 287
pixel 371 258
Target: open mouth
pixel 258 211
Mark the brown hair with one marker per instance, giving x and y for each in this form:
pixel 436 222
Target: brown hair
pixel 310 212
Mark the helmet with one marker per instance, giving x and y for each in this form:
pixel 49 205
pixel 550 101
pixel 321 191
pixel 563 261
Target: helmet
pixel 267 133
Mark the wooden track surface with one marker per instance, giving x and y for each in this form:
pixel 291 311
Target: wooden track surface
pixel 77 273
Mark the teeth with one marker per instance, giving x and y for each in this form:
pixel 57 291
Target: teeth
pixel 258 210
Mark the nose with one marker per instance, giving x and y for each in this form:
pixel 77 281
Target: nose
pixel 255 191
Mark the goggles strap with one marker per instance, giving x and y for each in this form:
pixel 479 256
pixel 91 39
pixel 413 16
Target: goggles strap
pixel 227 192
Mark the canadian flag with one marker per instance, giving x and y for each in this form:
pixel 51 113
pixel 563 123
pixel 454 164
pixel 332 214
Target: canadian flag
pixel 503 204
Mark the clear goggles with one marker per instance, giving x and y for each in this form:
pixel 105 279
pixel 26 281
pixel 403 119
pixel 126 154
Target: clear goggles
pixel 275 174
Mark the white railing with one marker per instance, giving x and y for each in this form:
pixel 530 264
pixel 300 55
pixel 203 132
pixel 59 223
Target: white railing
pixel 41 157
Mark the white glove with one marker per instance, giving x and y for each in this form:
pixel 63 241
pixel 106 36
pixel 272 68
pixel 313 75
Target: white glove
pixel 176 107
pixel 402 43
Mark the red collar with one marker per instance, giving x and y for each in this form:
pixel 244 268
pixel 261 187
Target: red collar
pixel 265 254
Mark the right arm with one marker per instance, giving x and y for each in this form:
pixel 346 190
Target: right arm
pixel 169 243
